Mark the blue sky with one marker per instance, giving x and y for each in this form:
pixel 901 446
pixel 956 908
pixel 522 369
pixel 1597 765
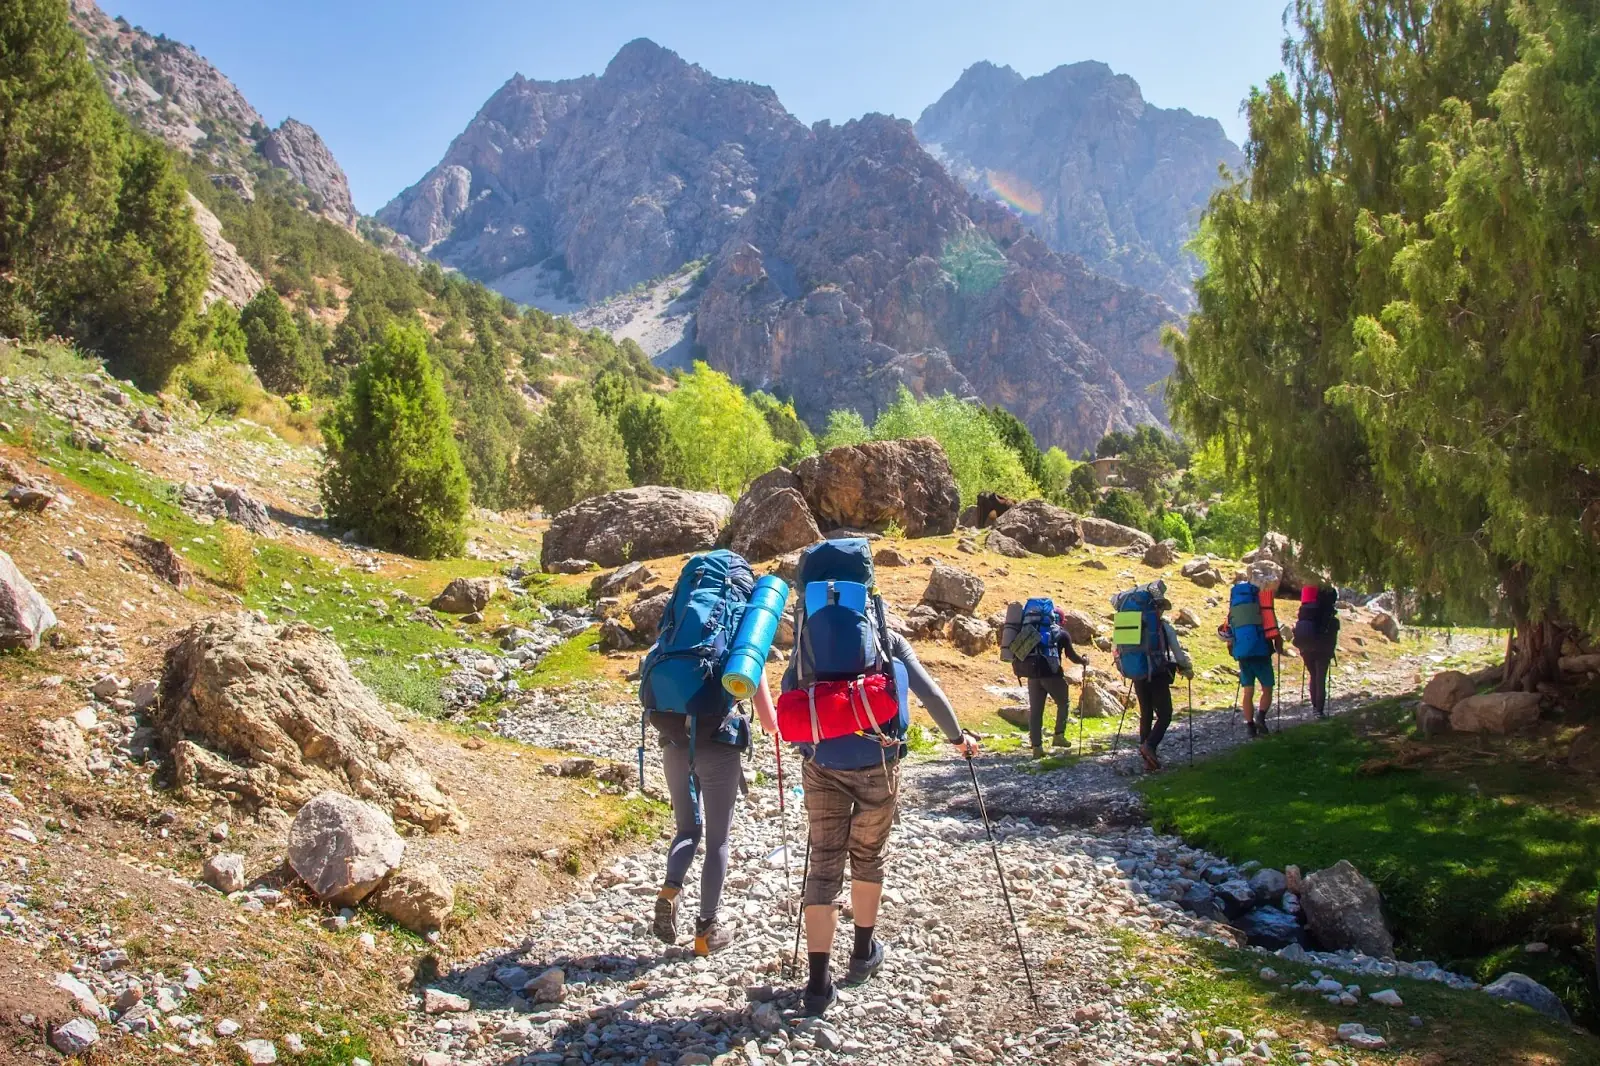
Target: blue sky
pixel 389 84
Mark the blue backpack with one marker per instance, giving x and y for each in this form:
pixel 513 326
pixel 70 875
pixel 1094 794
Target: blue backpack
pixel 1138 634
pixel 1247 622
pixel 841 633
pixel 682 674
pixel 1035 651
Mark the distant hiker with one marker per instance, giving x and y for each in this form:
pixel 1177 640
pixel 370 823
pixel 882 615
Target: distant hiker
pixel 1252 636
pixel 1033 640
pixel 1316 637
pixel 702 732
pixel 845 706
pixel 1149 654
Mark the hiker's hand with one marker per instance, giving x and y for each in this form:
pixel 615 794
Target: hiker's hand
pixel 1187 671
pixel 967 746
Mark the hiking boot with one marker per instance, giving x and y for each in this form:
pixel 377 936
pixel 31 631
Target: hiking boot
pixel 1038 753
pixel 711 936
pixel 1060 742
pixel 665 926
pixel 861 970
pixel 1250 728
pixel 816 1004
pixel 1151 763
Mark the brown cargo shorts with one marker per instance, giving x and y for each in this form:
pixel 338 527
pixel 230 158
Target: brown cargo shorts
pixel 851 813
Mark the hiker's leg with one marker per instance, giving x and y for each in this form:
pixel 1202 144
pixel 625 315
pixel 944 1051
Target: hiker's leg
pixel 1266 702
pixel 869 842
pixel 1318 669
pixel 1036 696
pixel 718 768
pixel 829 809
pixel 1141 690
pixel 1057 688
pixel 685 814
pixel 1161 700
pixel 1248 702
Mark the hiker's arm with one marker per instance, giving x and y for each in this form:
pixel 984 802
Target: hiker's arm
pixel 1071 652
pixel 926 688
pixel 763 702
pixel 1178 654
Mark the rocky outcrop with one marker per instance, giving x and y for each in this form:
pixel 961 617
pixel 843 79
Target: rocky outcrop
pixel 864 268
pixel 342 848
pixel 1104 533
pixel 869 486
pixel 1343 910
pixel 297 148
pixel 648 522
pixel 231 278
pixel 1040 527
pixel 271 716
pixel 24 615
pixel 1088 165
pixel 610 180
pixel 953 589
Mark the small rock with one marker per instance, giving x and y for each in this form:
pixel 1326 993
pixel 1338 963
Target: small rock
pixel 224 872
pixel 75 1037
pixel 258 1052
pixel 438 1001
pixel 548 987
pixel 1388 997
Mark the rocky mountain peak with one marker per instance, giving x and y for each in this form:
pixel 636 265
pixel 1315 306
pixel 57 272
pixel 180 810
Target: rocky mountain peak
pixel 642 59
pixel 1087 164
pixel 298 149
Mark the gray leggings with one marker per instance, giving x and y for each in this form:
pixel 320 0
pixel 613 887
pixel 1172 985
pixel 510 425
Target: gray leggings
pixel 717 770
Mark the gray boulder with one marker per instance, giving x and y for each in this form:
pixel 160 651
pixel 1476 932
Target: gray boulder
pixel 646 614
pixel 417 895
pixel 780 523
pixel 1202 572
pixel 464 595
pixel 1104 533
pixel 1079 626
pixel 951 588
pixel 74 1037
pixel 1001 544
pixel 1268 885
pixel 1520 988
pixel 971 636
pixel 870 486
pixel 1343 910
pixel 1161 554
pixel 1271 928
pixel 1495 712
pixel 649 522
pixel 243 509
pixel 343 848
pixel 1041 527
pixel 623 579
pixel 24 614
pixel 1236 896
pixel 1097 701
pixel 224 872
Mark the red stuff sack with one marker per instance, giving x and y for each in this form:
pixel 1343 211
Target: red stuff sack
pixel 831 709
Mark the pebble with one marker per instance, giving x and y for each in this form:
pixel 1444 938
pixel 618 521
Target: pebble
pixel 258 1052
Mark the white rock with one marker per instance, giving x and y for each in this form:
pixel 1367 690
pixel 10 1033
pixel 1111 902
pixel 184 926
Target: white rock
pixel 438 1001
pixel 224 872
pixel 1388 997
pixel 227 1027
pixel 258 1052
pixel 75 1037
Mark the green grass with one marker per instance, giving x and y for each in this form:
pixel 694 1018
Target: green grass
pixel 1475 850
pixel 574 659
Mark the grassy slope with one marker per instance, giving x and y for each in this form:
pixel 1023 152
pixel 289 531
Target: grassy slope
pixel 1478 844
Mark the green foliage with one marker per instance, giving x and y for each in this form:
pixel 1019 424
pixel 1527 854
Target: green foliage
pixel 1056 468
pixel 1124 508
pixel 845 427
pixel 654 457
pixel 488 414
pixel 794 438
pixel 980 460
pixel 1230 527
pixel 96 238
pixel 1395 338
pixel 570 453
pixel 724 439
pixel 272 342
pixel 223 333
pixel 393 471
pixel 1082 488
pixel 1019 439
pixel 1173 526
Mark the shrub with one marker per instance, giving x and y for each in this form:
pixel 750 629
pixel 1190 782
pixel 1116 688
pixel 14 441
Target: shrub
pixel 980 460
pixel 1124 508
pixel 272 342
pixel 1173 526
pixel 570 453
pixel 238 550
pixel 724 440
pixel 393 471
pixel 844 428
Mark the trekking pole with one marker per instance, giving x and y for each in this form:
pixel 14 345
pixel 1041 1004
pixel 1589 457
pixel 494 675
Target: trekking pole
pixel 1191 722
pixel 1121 717
pixel 800 918
pixel 1302 684
pixel 783 815
pixel 1005 893
pixel 1277 693
pixel 1237 714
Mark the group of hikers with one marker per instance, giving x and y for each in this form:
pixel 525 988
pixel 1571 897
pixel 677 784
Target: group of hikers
pixel 844 708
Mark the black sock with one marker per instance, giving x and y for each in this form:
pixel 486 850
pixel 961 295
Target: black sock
pixel 818 961
pixel 863 943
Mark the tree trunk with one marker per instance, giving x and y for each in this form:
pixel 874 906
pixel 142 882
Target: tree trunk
pixel 1533 650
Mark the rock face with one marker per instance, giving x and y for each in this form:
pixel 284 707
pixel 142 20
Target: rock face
pixel 863 267
pixel 1495 712
pixel 953 589
pixel 342 848
pixel 649 522
pixel 869 486
pixel 24 614
pixel 231 278
pixel 463 595
pixel 1343 910
pixel 771 518
pixel 297 148
pixel 1520 988
pixel 1041 527
pixel 417 895
pixel 1104 533
pixel 669 156
pixel 271 716
pixel 1095 170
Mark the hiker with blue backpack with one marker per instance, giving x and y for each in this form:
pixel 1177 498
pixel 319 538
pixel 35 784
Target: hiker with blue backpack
pixel 845 707
pixel 701 729
pixel 1033 640
pixel 1150 655
pixel 1251 633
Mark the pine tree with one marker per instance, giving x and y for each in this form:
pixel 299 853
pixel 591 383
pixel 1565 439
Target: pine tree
pixel 653 456
pixel 393 471
pixel 570 453
pixel 272 342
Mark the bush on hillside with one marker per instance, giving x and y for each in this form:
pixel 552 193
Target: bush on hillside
pixel 569 453
pixel 393 471
pixel 1124 508
pixel 724 439
pixel 845 428
pixel 980 460
pixel 654 457
pixel 272 342
pixel 1173 526
pixel 793 436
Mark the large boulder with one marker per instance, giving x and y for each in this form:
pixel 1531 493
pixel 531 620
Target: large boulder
pixel 464 595
pixel 1293 573
pixel 1384 623
pixel 1097 701
pixel 870 486
pixel 622 579
pixel 780 523
pixel 1520 988
pixel 1041 527
pixel 1271 928
pixel 1104 533
pixel 1202 572
pixel 953 589
pixel 1079 626
pixel 648 522
pixel 1001 544
pixel 342 848
pixel 24 614
pixel 773 481
pixel 1162 553
pixel 972 636
pixel 1448 688
pixel 271 716
pixel 1343 910
pixel 417 895
pixel 1495 712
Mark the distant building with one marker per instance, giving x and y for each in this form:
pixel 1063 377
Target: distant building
pixel 1107 471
